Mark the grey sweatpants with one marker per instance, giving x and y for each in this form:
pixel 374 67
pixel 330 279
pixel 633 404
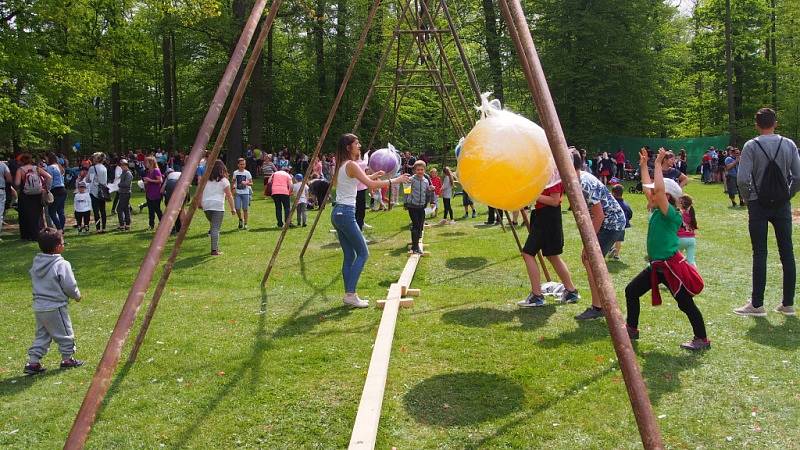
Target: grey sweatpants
pixel 301 214
pixel 52 326
pixel 215 219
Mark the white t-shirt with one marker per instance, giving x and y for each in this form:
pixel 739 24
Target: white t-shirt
pixel 296 189
pixel 346 187
pixel 214 195
pixel 241 176
pixel 83 203
pixel 97 175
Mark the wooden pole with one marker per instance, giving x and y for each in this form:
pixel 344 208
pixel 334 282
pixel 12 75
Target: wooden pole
pixel 537 83
pixel 538 255
pixel 362 40
pixel 469 112
pixel 473 80
pixel 514 231
pixel 108 364
pixel 218 143
pixel 357 125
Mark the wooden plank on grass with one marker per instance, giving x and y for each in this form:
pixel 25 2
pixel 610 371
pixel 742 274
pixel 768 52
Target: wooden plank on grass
pixel 365 430
pixel 404 303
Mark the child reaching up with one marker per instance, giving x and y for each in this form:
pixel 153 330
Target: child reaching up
pixel 687 241
pixel 667 265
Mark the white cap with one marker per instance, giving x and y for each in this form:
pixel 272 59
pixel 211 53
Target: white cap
pixel 670 186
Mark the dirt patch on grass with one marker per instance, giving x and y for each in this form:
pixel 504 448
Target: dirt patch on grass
pixel 796 216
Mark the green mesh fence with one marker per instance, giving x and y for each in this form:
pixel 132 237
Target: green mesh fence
pixel 695 147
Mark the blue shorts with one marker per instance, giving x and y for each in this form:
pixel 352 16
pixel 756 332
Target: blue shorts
pixel 242 201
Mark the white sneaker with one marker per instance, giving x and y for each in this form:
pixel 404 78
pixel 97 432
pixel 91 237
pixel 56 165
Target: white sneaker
pixel 785 310
pixel 750 310
pixel 366 225
pixel 355 302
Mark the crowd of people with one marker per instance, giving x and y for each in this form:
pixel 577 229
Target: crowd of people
pixel 763 172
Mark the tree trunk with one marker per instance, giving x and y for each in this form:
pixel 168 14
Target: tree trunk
pixel 234 139
pixel 341 44
pixel 493 48
pixel 168 121
pixel 270 91
pixel 773 55
pixel 116 118
pixel 256 113
pixel 729 74
pixel 319 48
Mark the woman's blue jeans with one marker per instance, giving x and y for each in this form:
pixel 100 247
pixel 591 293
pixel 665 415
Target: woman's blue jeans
pixel 353 245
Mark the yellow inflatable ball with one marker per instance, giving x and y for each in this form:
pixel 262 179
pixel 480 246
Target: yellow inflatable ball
pixel 505 161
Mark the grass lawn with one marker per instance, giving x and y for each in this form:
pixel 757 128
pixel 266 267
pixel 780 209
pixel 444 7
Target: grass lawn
pixel 223 368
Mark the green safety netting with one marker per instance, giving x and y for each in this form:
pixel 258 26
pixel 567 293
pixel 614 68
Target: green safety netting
pixel 695 147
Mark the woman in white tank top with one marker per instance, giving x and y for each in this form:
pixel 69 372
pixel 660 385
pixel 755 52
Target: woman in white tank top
pixel 343 217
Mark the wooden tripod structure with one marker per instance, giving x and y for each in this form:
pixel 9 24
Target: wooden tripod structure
pixel 520 34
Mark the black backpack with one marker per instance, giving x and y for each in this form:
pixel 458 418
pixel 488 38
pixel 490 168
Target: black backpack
pixel 773 191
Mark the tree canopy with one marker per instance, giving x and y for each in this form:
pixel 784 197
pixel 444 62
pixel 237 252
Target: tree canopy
pixel 116 75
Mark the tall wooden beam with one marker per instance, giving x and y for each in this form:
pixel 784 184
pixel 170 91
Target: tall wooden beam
pixel 537 83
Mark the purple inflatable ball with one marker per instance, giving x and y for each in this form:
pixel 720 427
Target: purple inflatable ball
pixel 383 160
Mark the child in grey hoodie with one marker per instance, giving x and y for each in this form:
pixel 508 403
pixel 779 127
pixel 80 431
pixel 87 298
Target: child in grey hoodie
pixel 53 285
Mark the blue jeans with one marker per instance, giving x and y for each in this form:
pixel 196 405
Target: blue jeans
pixel 56 209
pixel 781 220
pixel 353 245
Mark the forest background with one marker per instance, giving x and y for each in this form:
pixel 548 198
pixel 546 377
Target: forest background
pixel 117 75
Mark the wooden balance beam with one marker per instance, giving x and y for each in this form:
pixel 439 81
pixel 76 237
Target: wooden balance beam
pixel 365 429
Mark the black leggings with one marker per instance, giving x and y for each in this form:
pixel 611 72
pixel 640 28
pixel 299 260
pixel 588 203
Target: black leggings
pixel 99 211
pixel 281 203
pixel 641 284
pixel 417 215
pixel 447 208
pixel 153 210
pixel 361 208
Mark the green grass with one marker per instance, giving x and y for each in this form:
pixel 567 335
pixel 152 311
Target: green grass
pixel 222 367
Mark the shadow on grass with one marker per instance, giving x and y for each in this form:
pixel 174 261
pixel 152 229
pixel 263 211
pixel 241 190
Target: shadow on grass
pixel 783 337
pixel 481 317
pixel 252 366
pixel 525 416
pixel 463 398
pixel 616 266
pixel 191 261
pixel 20 383
pixel 331 245
pixel 452 234
pixel 588 330
pixel 661 371
pixel 466 263
pixel 459 277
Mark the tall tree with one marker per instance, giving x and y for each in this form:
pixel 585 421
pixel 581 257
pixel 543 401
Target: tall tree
pixel 493 48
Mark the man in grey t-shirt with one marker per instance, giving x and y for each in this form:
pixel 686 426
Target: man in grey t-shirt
pixel 756 156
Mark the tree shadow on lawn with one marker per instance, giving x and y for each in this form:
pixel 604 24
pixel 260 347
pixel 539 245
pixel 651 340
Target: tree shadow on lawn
pixel 481 317
pixel 616 266
pixel 463 398
pixel 783 337
pixel 588 330
pixel 661 371
pixel 525 416
pixel 466 263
